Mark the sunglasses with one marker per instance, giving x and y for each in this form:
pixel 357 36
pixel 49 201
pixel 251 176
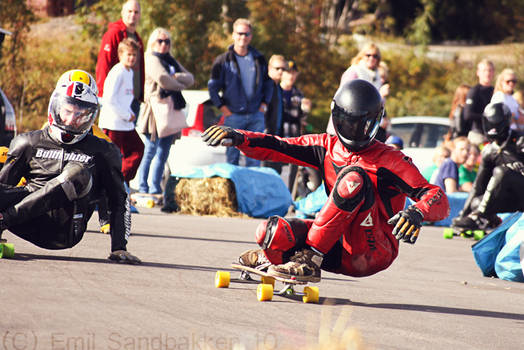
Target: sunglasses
pixel 244 33
pixel 165 41
pixel 372 55
pixel 514 81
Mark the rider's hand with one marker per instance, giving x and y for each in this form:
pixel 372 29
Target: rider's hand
pixel 122 256
pixel 222 135
pixel 407 224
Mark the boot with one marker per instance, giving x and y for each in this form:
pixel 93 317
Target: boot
pixel 255 259
pixel 304 266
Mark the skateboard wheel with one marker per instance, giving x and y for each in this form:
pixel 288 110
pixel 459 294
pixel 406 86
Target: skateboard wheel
pixel 311 295
pixel 105 228
pixel 448 233
pixel 7 250
pixel 264 292
pixel 268 280
pixel 478 235
pixel 222 279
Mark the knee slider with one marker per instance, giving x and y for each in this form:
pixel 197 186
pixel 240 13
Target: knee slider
pixel 75 180
pixel 353 185
pixel 277 235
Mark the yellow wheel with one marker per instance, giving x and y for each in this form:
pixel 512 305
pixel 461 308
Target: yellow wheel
pixel 264 292
pixel 222 279
pixel 268 280
pixel 7 250
pixel 150 203
pixel 311 295
pixel 105 228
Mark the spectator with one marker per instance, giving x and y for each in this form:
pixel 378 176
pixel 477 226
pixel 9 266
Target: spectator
pixel 457 122
pixel 116 116
pixel 447 175
pixel 383 71
pixel 499 185
pixel 241 74
pixel 273 117
pixel 108 54
pixel 504 88
pixel 363 66
pixel 468 170
pixel 165 77
pixel 395 142
pixel 440 154
pixel 519 97
pixel 294 117
pixel 478 97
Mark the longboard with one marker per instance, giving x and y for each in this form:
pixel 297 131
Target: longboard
pixel 265 290
pixel 450 232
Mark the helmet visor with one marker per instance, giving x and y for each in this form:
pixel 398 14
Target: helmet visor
pixel 73 115
pixel 354 128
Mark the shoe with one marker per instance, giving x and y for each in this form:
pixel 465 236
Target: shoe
pixel 254 258
pixel 477 221
pixel 304 266
pixel 105 228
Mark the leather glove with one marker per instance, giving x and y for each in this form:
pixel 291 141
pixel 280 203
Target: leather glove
pixel 222 135
pixel 407 224
pixel 125 257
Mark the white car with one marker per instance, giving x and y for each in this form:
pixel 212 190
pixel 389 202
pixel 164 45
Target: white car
pixel 421 135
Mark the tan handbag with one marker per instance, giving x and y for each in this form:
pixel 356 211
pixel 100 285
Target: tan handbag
pixel 168 120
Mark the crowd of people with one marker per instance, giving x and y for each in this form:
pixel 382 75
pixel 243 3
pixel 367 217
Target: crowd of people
pixel 355 233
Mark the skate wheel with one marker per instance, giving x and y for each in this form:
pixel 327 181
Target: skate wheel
pixel 7 250
pixel 448 233
pixel 311 295
pixel 268 280
pixel 478 235
pixel 105 228
pixel 264 292
pixel 222 279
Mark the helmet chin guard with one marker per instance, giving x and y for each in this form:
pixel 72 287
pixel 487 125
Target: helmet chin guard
pixel 357 110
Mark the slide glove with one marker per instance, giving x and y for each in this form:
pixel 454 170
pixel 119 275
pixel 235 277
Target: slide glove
pixel 407 224
pixel 122 256
pixel 222 135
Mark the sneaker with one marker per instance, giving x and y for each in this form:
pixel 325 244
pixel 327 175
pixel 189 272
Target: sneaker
pixel 304 266
pixel 477 221
pixel 254 258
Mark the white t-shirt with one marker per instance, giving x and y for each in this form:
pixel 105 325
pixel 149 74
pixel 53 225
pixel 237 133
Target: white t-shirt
pixel 116 103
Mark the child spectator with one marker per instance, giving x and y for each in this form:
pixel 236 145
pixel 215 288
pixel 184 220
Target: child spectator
pixel 395 142
pixel 447 176
pixel 116 116
pixel 441 153
pixel 468 170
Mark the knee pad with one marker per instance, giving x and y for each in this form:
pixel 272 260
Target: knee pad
pixel 353 186
pixel 277 235
pixel 75 180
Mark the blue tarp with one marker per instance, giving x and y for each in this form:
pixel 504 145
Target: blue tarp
pixel 508 262
pixel 260 191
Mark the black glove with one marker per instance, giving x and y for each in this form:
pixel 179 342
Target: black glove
pixel 122 256
pixel 407 224
pixel 222 135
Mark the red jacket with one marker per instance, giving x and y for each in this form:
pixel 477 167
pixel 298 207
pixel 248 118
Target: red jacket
pixel 108 55
pixel 393 174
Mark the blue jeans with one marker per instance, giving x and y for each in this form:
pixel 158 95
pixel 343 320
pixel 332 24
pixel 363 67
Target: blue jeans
pixel 154 159
pixel 252 122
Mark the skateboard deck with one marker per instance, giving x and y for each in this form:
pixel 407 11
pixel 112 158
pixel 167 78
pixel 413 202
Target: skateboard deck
pixel 7 250
pixel 266 287
pixel 450 232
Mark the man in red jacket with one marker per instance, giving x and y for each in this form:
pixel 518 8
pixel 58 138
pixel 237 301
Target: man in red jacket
pixel 356 233
pixel 108 55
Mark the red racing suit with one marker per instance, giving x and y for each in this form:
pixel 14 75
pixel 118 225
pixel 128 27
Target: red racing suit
pixel 357 225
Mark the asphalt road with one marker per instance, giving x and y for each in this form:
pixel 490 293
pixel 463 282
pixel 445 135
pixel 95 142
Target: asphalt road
pixel 432 297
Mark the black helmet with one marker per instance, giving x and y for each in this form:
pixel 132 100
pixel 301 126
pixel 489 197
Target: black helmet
pixel 357 110
pixel 495 121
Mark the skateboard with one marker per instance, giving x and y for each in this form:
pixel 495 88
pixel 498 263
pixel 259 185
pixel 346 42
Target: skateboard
pixel 265 289
pixel 145 200
pixel 450 232
pixel 7 250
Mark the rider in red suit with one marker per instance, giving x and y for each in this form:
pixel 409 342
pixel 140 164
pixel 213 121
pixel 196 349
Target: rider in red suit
pixel 356 231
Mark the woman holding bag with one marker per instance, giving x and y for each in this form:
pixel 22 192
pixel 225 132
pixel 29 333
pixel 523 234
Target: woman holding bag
pixel 162 115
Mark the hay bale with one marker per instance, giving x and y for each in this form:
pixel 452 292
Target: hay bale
pixel 209 196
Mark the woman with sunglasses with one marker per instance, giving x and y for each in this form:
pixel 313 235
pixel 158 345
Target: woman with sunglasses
pixel 165 77
pixel 503 92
